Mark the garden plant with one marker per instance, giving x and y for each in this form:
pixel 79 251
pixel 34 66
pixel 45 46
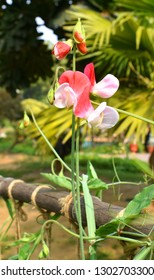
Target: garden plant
pixel 83 97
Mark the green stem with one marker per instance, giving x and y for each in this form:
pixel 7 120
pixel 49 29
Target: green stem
pixel 49 144
pixel 97 238
pixel 126 239
pixel 79 214
pixel 135 116
pixel 124 183
pixel 75 165
pixel 73 143
pixel 73 161
pixel 129 114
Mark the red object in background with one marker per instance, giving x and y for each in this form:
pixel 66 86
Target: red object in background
pixel 150 149
pixel 133 147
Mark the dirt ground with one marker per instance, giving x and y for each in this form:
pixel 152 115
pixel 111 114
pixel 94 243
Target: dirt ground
pixel 64 246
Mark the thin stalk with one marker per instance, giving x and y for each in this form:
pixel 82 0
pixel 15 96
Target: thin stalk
pixel 79 215
pixel 130 114
pixel 124 183
pixel 135 116
pixel 126 239
pixel 73 161
pixel 75 165
pixel 49 144
pixel 73 144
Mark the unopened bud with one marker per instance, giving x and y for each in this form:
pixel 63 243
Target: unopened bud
pixel 50 95
pixel 25 122
pixel 61 49
pixel 82 47
pixel 78 32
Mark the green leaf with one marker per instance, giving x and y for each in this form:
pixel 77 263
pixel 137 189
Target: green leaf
pixel 61 181
pixel 108 228
pixel 139 36
pixel 94 183
pixel 90 214
pixel 140 201
pixel 24 251
pixel 9 207
pixel 91 171
pixel 143 253
pixel 97 184
pixel 144 167
pixel 14 258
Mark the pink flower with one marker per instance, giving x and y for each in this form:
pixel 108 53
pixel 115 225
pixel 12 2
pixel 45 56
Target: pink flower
pixel 106 87
pixel 103 117
pixel 74 91
pixel 61 49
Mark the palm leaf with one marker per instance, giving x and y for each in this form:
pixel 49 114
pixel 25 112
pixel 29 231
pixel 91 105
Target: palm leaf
pixel 140 103
pixel 142 7
pixel 52 121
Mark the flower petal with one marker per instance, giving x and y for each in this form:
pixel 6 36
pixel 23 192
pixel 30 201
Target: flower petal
pixel 106 87
pixel 90 73
pixel 83 107
pixel 94 118
pixel 76 80
pixel 64 96
pixel 80 84
pixel 110 118
pixel 103 117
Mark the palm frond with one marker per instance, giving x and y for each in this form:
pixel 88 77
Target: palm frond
pixel 142 7
pixel 140 102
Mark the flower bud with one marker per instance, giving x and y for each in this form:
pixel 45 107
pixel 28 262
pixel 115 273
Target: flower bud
pixel 25 122
pixel 50 95
pixel 82 47
pixel 78 32
pixel 61 49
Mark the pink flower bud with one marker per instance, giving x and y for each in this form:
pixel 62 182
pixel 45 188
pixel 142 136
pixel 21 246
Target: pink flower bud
pixel 82 47
pixel 61 49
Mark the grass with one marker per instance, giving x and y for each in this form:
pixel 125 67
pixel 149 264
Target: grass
pixel 27 147
pixel 125 168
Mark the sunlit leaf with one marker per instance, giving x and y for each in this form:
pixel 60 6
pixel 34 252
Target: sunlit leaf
pixel 140 201
pixel 60 181
pixel 91 171
pixel 97 184
pixel 108 228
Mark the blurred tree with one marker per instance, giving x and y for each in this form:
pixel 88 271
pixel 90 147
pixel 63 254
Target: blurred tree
pixel 10 108
pixel 23 57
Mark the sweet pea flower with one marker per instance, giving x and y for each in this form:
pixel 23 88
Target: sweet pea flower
pixel 106 87
pixel 103 117
pixel 74 91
